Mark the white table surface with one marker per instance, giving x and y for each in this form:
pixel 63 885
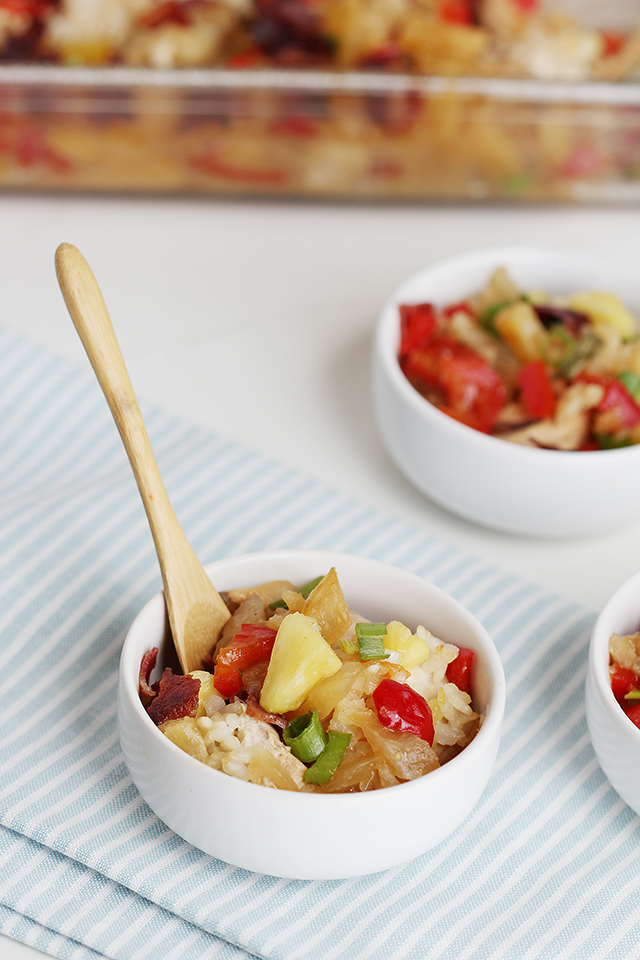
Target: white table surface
pixel 255 319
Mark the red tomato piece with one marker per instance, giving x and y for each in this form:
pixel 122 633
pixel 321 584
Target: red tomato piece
pixel 616 397
pixel 473 391
pixel 227 680
pixel 613 41
pixel 400 708
pixel 622 681
pixel 633 713
pixel 537 389
pixel 456 11
pixel 252 642
pixel 459 670
pixel 526 6
pixel 417 327
pixel 456 308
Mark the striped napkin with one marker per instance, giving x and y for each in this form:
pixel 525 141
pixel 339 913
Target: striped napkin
pixel 545 866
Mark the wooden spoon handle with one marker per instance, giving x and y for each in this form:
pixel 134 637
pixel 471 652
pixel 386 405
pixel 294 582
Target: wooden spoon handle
pixel 196 611
pixel 91 319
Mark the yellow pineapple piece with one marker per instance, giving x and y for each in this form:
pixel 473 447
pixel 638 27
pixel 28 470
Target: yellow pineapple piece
pixel 605 308
pixel 413 650
pixel 520 327
pixel 269 771
pixel 301 657
pixel 206 692
pixel 327 606
pixel 186 735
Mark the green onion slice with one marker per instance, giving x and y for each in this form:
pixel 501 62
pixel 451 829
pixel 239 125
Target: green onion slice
pixel 632 695
pixel 305 737
pixel 348 646
pixel 489 314
pixel 370 637
pixel 330 759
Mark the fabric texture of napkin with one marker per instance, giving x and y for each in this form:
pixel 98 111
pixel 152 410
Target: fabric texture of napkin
pixel 545 866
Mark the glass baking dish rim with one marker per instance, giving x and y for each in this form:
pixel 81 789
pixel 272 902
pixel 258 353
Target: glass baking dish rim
pixel 316 81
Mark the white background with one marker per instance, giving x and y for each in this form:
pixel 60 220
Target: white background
pixel 255 319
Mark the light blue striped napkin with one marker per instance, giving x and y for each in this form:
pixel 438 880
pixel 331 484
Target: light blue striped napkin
pixel 546 866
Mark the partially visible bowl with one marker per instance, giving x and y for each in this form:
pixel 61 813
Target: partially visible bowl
pixel 314 836
pixel 616 740
pixel 523 490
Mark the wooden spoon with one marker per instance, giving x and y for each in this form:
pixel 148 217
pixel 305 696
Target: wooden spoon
pixel 196 611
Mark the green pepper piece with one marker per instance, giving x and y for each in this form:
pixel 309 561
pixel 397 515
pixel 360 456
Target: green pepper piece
pixel 631 380
pixel 607 441
pixel 370 637
pixel 632 695
pixel 330 759
pixel 305 737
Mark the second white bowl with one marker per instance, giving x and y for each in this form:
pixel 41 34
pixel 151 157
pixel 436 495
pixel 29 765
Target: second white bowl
pixel 549 493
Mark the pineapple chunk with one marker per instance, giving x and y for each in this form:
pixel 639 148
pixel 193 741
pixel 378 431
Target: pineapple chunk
pixel 521 328
pixel 413 650
pixel 209 700
pixel 186 735
pixel 605 308
pixel 327 606
pixel 301 657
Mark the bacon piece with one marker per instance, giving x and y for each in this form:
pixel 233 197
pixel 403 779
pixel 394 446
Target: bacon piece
pixel 146 666
pixel 177 697
pixel 258 713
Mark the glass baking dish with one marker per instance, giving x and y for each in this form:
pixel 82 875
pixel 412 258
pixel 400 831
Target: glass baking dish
pixel 317 134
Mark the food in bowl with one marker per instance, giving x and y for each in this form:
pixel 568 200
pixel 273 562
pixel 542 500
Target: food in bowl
pixel 449 37
pixel 624 671
pixel 558 373
pixel 302 694
pixel 260 97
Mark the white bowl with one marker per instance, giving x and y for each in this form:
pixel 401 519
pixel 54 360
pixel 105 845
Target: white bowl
pixel 314 836
pixel 616 740
pixel 549 493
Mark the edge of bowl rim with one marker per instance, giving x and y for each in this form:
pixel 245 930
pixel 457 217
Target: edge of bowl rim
pixel 493 723
pixel 596 661
pixel 386 327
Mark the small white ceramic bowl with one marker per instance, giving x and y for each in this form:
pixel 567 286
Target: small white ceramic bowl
pixel 616 740
pixel 547 493
pixel 313 836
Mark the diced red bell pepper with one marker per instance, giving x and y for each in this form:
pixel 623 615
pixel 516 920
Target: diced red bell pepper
pixel 616 397
pixel 252 642
pixel 459 670
pixel 456 308
pixel 622 681
pixel 209 163
pixel 456 11
pixel 227 680
pixel 401 708
pixel 633 712
pixel 418 325
pixel 526 6
pixel 473 391
pixel 536 388
pixel 613 41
